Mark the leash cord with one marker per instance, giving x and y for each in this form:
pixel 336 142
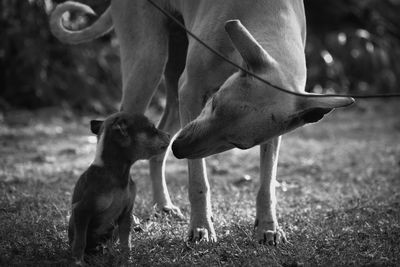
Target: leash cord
pixel 223 57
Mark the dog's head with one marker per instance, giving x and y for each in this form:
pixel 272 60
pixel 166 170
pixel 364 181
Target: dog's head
pixel 245 111
pixel 128 137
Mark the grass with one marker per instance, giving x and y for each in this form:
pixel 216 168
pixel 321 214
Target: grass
pixel 338 195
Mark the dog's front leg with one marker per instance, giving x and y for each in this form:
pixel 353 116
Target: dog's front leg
pixel 267 228
pixel 201 227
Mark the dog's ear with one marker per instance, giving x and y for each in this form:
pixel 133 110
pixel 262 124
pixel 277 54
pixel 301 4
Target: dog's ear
pixel 313 108
pixel 120 128
pixel 95 126
pixel 254 56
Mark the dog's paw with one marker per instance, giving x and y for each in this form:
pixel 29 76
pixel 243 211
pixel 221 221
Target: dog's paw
pixel 159 210
pixel 202 233
pixel 269 233
pixel 173 210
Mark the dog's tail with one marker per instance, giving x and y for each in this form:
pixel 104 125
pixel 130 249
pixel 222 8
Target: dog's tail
pixel 102 26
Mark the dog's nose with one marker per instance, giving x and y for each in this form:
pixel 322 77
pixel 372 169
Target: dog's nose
pixel 180 145
pixel 184 143
pixel 178 149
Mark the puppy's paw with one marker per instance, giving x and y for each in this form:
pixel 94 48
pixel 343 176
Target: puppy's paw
pixel 269 233
pixel 202 232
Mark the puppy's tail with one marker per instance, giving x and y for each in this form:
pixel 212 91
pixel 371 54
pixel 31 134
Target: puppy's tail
pixel 102 26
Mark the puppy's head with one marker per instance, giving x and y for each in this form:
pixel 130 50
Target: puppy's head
pixel 130 136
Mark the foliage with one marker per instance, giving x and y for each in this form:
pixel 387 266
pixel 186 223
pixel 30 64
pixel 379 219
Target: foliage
pixel 353 46
pixel 40 71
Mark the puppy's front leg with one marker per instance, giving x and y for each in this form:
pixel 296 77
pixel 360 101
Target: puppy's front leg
pixel 81 219
pixel 124 230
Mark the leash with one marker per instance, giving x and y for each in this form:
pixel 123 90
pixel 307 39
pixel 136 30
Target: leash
pixel 223 57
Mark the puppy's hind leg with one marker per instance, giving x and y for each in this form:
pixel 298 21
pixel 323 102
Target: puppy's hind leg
pixel 170 119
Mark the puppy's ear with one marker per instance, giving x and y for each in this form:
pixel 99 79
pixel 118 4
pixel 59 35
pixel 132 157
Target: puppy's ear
pixel 120 128
pixel 95 126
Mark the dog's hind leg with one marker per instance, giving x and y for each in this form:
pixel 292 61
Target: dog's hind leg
pixel 266 224
pixel 170 119
pixel 143 38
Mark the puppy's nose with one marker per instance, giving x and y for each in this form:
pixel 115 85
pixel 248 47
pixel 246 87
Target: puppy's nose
pixel 164 146
pixel 167 138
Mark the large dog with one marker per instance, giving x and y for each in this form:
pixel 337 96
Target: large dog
pixel 239 110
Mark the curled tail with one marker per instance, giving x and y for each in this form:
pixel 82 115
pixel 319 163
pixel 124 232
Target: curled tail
pixel 100 27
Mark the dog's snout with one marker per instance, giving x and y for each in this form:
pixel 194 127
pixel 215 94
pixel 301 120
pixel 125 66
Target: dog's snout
pixel 185 142
pixel 185 133
pixel 180 137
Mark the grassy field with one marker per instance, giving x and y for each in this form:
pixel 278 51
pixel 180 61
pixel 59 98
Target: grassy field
pixel 338 195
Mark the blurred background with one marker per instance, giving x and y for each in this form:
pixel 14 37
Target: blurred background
pixel 353 47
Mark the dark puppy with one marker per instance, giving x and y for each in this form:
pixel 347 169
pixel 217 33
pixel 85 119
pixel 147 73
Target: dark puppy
pixel 104 194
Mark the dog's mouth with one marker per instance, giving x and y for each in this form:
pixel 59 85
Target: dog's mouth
pixel 190 155
pixel 241 146
pixel 196 153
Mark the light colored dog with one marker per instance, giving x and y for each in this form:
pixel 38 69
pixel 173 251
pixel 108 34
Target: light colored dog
pixel 240 112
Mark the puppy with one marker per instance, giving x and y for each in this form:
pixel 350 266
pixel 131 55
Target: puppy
pixel 103 197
